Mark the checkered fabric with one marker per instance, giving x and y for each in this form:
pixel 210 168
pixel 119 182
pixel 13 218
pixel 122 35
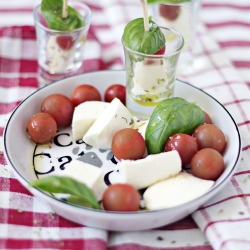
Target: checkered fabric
pixel 222 56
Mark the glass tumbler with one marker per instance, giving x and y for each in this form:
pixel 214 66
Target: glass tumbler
pixel 151 78
pixel 181 16
pixel 60 53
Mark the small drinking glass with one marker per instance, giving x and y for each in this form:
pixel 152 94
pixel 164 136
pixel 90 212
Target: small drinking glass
pixel 60 53
pixel 181 16
pixel 151 78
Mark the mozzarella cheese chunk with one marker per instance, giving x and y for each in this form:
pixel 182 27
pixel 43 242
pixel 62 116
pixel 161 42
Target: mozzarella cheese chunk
pixel 141 126
pixel 145 172
pixel 88 174
pixel 58 59
pixel 149 78
pixel 174 191
pixel 114 118
pixel 85 115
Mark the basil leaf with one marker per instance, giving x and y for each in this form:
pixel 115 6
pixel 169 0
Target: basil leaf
pixel 78 201
pixel 136 38
pixel 171 116
pixel 52 12
pixel 167 1
pixel 80 193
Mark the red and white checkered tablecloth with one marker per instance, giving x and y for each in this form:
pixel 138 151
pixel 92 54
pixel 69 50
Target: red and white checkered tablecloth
pixel 222 54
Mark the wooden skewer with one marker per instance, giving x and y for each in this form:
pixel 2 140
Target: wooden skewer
pixel 65 9
pixel 145 14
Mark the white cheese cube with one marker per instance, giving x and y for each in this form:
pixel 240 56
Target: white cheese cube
pixel 141 126
pixel 149 78
pixel 174 191
pixel 114 118
pixel 85 115
pixel 145 172
pixel 90 175
pixel 58 59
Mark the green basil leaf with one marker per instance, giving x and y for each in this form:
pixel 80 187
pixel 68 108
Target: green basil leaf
pixel 136 38
pixel 52 12
pixel 64 185
pixel 171 116
pixel 167 1
pixel 78 201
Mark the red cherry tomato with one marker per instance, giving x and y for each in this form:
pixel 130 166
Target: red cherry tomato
pixel 161 51
pixel 207 164
pixel 184 144
pixel 170 12
pixel 116 90
pixel 156 61
pixel 128 144
pixel 121 197
pixel 210 136
pixel 59 107
pixel 85 92
pixel 65 42
pixel 42 128
pixel 208 119
pixel 151 61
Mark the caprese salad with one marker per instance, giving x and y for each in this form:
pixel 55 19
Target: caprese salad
pixel 151 153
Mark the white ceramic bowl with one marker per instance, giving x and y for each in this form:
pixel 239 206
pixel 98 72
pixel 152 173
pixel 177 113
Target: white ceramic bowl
pixel 19 152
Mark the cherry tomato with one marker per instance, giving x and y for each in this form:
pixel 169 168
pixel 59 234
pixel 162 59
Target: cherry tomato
pixel 161 51
pixel 207 164
pixel 155 61
pixel 128 144
pixel 59 107
pixel 170 12
pixel 42 128
pixel 210 136
pixel 85 92
pixel 208 119
pixel 121 197
pixel 116 90
pixel 65 42
pixel 186 146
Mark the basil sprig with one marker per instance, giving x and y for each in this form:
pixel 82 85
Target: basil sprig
pixel 79 193
pixel 52 12
pixel 173 115
pixel 167 1
pixel 136 38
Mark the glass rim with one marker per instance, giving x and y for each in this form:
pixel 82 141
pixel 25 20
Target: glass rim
pixel 86 24
pixel 177 51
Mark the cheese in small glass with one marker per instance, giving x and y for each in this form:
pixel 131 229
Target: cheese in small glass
pixel 150 78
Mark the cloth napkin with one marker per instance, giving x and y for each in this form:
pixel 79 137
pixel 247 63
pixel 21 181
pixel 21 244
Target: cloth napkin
pixel 222 66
